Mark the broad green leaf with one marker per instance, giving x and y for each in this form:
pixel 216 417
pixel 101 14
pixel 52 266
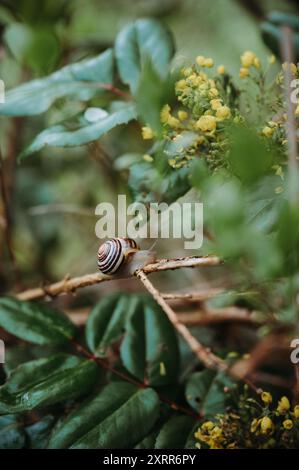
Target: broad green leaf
pixel 39 433
pixel 37 323
pixel 82 420
pixel 205 391
pixel 149 350
pixel 43 382
pixel 80 80
pixel 148 442
pixel 105 324
pixel 37 47
pixel 174 433
pixel 12 435
pixel 139 42
pixel 60 136
pixel 124 428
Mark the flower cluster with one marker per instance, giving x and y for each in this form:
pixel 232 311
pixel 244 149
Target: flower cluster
pixel 253 425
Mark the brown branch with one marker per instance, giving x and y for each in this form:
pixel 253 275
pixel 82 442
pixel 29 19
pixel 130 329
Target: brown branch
pixel 218 315
pixel 69 285
pixel 193 296
pixel 208 358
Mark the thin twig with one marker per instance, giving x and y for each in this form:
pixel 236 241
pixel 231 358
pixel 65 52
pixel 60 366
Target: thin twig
pixel 69 285
pixel 218 315
pixel 209 359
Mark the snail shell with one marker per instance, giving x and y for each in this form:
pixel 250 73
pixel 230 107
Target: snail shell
pixel 121 257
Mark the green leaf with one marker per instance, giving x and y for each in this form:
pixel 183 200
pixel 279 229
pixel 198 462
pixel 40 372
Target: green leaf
pixel 60 136
pixel 205 391
pixel 126 426
pixel 39 433
pixel 37 323
pixel 105 324
pixel 141 41
pixel 174 433
pixel 36 47
pixel 43 382
pixel 82 420
pixel 249 157
pixel 12 435
pixel 149 350
pixel 79 80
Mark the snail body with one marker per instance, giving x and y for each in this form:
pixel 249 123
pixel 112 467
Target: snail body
pixel 121 257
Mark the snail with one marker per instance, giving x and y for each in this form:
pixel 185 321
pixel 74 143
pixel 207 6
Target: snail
pixel 121 257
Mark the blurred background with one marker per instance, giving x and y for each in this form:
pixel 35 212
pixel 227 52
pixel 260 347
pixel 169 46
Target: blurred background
pixel 53 194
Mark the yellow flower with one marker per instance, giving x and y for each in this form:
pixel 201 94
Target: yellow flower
pixel 297 110
pixel 266 425
pixel 206 123
pixel 200 60
pixel 288 424
pixel 180 85
pixel 257 63
pixel 216 103
pixel 272 59
pixel 296 411
pixel 247 59
pixel 173 121
pixel 254 425
pixel 266 397
pixel 207 426
pixel 221 69
pixel 148 158
pixel 267 131
pixel 291 66
pixel 147 133
pixel 216 432
pixel 283 404
pixel 182 115
pixel 208 63
pixel 244 72
pixel 187 71
pixel 223 112
pixel 213 93
pixel 165 113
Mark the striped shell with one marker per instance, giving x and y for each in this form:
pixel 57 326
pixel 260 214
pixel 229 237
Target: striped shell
pixel 112 254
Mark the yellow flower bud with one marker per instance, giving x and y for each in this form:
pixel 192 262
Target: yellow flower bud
pixel 147 133
pixel 279 190
pixel 208 63
pixel 243 72
pixel 267 131
pixel 180 85
pixel 283 404
pixel 187 71
pixel 257 63
pixel 266 397
pixel 182 115
pixel 206 123
pixel 223 112
pixel 247 59
pixel 272 59
pixel 213 93
pixel 207 426
pixel 254 425
pixel 296 411
pixel 287 424
pixel 173 121
pixel 266 425
pixel 221 69
pixel 216 103
pixel 148 158
pixel 165 113
pixel 200 60
pixel 297 110
pixel 291 66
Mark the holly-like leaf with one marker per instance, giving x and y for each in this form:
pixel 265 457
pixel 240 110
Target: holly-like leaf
pixel 149 350
pixel 61 136
pixel 37 323
pixel 80 80
pixel 207 391
pixel 39 432
pixel 43 382
pixel 139 42
pixel 105 324
pixel 12 435
pixel 116 401
pixel 175 432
